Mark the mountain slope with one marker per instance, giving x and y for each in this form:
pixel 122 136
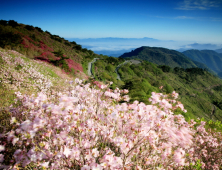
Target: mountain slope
pixel 160 56
pixel 209 57
pixel 42 45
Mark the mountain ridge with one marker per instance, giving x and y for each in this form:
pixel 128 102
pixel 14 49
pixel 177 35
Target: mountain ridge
pixel 162 56
pixel 208 57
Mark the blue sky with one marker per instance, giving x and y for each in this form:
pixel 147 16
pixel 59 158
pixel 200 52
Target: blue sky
pixel 191 21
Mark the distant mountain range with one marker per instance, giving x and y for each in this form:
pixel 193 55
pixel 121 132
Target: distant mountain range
pixel 113 53
pixel 114 44
pixel 197 46
pixel 118 53
pixel 113 39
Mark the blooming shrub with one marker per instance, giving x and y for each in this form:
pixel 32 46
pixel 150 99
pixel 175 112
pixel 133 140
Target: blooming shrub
pixel 86 128
pixel 37 48
pixel 74 65
pixel 17 73
pixel 45 56
pixel 44 47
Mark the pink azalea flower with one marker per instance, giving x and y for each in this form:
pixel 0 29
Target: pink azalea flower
pixel 45 164
pixel 2 148
pixel 67 152
pixel 85 167
pixel 1 158
pixel 95 152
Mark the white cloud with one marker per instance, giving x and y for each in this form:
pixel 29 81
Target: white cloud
pixel 200 18
pixel 193 18
pixel 184 17
pixel 216 19
pixel 198 4
pixel 198 46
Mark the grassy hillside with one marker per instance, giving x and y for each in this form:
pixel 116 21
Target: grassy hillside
pixel 209 57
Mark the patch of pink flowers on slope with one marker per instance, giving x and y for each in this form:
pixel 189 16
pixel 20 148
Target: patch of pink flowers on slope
pixel 86 128
pixel 74 65
pixel 27 44
pixel 28 75
pixel 46 53
pixel 44 47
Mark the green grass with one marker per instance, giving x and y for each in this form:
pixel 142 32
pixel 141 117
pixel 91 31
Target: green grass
pixel 7 96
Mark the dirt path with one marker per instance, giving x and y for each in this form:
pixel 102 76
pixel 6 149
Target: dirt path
pixel 131 62
pixel 116 70
pixel 90 67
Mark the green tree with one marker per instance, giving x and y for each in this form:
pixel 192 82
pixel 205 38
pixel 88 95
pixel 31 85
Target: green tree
pixel 62 61
pixel 9 39
pixel 112 60
pixel 59 54
pixel 73 42
pixel 165 68
pixel 48 33
pixel 110 68
pixel 29 27
pixel 84 50
pixel 13 23
pixel 168 88
pixel 39 29
pixel 78 47
pixel 3 22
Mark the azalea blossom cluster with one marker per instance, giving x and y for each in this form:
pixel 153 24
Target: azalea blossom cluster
pixel 208 147
pixel 87 128
pixel 17 73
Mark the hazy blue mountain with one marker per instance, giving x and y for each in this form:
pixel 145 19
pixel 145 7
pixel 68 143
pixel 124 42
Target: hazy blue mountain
pixel 198 46
pixel 218 50
pixel 209 57
pixel 116 53
pixel 113 39
pixel 115 43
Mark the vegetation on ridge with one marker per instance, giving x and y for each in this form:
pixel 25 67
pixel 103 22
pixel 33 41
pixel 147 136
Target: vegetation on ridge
pixel 160 56
pixel 209 57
